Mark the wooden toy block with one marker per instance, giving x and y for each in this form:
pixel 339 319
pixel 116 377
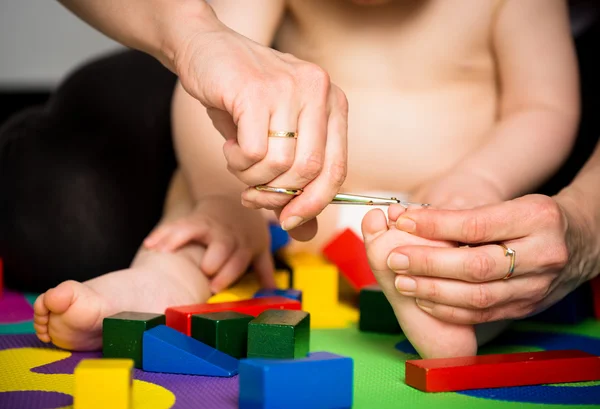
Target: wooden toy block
pixel 279 334
pixel 122 334
pixel 572 309
pixel 291 294
pixel 502 370
pixel 226 331
pixel 347 252
pixel 169 351
pixel 595 284
pixel 376 313
pixel 103 383
pixel 180 317
pixel 318 281
pixel 320 381
pixel 247 286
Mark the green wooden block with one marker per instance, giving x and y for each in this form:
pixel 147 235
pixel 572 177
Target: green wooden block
pixel 279 334
pixel 376 313
pixel 226 331
pixel 122 334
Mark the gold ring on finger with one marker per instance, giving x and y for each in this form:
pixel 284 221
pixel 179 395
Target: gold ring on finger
pixel 512 254
pixel 282 134
pixel 265 188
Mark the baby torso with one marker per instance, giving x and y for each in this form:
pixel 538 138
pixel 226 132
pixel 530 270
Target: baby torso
pixel 421 82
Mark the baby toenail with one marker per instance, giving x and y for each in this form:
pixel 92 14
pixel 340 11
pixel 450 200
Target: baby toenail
pixel 405 284
pixel 398 261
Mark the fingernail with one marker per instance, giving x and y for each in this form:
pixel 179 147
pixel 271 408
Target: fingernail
pixel 397 261
pixel 406 224
pixel 405 284
pixel 425 304
pixel 291 222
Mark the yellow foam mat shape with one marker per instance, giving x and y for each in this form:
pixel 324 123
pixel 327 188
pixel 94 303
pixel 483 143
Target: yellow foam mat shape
pixel 16 375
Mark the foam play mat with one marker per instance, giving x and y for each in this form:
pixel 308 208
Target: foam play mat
pixel 34 375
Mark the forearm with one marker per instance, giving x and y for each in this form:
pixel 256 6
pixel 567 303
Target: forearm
pixel 157 27
pixel 523 150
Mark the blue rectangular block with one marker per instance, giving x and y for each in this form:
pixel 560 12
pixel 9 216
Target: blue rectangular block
pixel 320 381
pixel 169 351
pixel 291 293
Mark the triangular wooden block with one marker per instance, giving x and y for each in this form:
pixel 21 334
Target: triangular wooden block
pixel 169 351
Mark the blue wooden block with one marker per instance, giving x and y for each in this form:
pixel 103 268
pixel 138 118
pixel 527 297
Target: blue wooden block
pixel 279 237
pixel 291 293
pixel 169 351
pixel 320 381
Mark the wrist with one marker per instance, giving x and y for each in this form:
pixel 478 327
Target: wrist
pixel 583 222
pixel 178 26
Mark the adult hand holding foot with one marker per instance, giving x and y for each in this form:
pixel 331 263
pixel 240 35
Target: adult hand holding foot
pixel 555 241
pixel 249 91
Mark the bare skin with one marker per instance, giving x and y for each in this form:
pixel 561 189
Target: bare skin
pixel 426 116
pixel 71 314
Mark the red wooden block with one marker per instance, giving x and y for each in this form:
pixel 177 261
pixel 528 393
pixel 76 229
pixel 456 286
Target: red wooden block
pixel 180 318
pixel 347 252
pixel 596 296
pixel 496 371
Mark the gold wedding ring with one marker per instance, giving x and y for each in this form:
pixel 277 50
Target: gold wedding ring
pixel 283 134
pixel 265 188
pixel 512 254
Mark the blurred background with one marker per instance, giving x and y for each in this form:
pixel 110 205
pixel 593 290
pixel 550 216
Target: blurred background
pixel 40 43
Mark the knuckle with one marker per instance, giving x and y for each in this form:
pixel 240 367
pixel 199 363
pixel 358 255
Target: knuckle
pixel 311 166
pixel 484 315
pixel 253 153
pixel 549 211
pixel 280 163
pixel 337 172
pixel 479 267
pixel 429 264
pixel 285 84
pixel 433 291
pixel 481 298
pixel 475 229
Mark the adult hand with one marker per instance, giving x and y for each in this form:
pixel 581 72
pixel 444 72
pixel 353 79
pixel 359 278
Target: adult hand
pixel 250 89
pixel 556 246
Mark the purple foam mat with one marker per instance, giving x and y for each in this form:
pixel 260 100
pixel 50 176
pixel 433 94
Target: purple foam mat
pixel 14 308
pixel 191 392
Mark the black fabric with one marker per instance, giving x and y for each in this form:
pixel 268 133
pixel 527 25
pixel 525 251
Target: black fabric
pixel 588 45
pixel 83 178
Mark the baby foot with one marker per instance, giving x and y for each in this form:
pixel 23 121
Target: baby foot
pixel 71 314
pixel 431 337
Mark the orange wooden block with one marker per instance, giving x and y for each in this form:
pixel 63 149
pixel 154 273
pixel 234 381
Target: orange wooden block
pixel 180 318
pixel 502 370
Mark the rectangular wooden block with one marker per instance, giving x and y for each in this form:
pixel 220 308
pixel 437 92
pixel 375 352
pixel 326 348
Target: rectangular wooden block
pixel 595 284
pixel 122 334
pixel 290 293
pixel 279 334
pixel 376 313
pixel 226 331
pixel 169 351
pixel 347 252
pixel 318 280
pixel 502 370
pixel 320 381
pixel 103 383
pixel 180 317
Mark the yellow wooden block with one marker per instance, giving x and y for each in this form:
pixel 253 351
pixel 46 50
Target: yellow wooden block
pixel 224 296
pixel 318 280
pixel 339 316
pixel 103 383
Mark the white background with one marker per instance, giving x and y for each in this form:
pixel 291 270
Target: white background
pixel 41 41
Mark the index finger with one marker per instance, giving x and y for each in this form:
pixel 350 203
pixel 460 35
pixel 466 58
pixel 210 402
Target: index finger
pixel 507 220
